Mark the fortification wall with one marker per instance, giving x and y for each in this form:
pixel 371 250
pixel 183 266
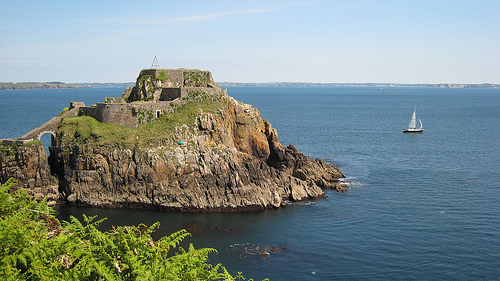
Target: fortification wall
pixel 176 76
pixel 116 113
pixel 88 111
pixel 186 90
pixel 126 114
pixel 151 71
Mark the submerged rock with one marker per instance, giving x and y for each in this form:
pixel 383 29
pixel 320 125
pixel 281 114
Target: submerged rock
pixel 246 250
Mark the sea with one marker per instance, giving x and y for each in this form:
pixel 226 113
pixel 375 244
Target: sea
pixel 421 206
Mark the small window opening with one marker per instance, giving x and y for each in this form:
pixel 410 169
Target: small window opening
pixel 158 113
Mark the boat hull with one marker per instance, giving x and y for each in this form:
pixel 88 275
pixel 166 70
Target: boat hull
pixel 405 130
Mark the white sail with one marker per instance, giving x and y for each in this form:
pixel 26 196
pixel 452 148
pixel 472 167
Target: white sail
pixel 413 121
pixel 412 127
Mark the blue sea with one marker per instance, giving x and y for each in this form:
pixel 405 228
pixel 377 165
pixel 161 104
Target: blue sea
pixel 420 206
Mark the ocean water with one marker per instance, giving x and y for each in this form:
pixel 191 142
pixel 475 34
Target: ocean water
pixel 420 207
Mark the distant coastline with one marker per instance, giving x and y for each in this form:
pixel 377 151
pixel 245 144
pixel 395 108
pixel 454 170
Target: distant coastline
pixel 106 85
pixel 383 85
pixel 36 85
pixel 61 85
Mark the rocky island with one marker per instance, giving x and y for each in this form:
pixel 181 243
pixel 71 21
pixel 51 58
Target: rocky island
pixel 175 141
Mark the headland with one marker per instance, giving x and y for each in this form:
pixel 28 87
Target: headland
pixel 175 141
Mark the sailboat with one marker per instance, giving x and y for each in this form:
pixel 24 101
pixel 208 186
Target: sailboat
pixel 412 127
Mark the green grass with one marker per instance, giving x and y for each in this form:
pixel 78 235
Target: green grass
pixel 85 129
pixel 34 143
pixel 66 109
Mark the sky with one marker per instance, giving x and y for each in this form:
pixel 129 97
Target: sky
pixel 377 41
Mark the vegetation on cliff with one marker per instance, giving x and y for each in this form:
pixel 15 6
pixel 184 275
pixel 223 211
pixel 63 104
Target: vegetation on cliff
pixel 84 129
pixel 11 149
pixel 34 245
pixel 197 78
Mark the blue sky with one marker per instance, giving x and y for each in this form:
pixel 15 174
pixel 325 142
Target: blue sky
pixel 393 41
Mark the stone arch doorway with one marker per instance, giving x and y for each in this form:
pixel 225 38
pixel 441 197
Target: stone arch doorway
pixel 48 140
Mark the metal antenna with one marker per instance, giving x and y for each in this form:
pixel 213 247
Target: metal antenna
pixel 155 64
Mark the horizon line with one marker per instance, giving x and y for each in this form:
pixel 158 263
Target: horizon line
pixel 276 82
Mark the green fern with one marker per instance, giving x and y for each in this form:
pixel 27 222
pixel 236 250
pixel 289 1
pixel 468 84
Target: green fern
pixel 34 245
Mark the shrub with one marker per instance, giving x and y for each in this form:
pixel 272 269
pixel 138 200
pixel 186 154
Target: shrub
pixel 162 76
pixel 34 245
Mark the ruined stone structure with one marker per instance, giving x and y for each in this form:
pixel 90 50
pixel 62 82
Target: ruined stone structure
pixel 152 96
pixel 155 92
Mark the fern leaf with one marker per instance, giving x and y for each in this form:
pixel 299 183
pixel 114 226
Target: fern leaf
pixel 174 239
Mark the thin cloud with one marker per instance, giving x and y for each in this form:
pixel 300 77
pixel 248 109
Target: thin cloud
pixel 220 15
pixel 147 20
pixel 12 26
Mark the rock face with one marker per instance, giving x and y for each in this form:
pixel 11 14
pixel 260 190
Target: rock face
pixel 29 166
pixel 198 178
pixel 222 158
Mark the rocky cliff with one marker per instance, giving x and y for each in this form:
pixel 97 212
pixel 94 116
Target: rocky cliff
pixel 28 164
pixel 212 153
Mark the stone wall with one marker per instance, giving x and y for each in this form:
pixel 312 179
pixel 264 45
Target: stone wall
pixel 126 114
pixel 14 141
pixel 185 91
pixel 116 113
pixel 175 75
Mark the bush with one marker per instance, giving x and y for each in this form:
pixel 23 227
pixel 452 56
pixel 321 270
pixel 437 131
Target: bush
pixel 34 245
pixel 162 76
